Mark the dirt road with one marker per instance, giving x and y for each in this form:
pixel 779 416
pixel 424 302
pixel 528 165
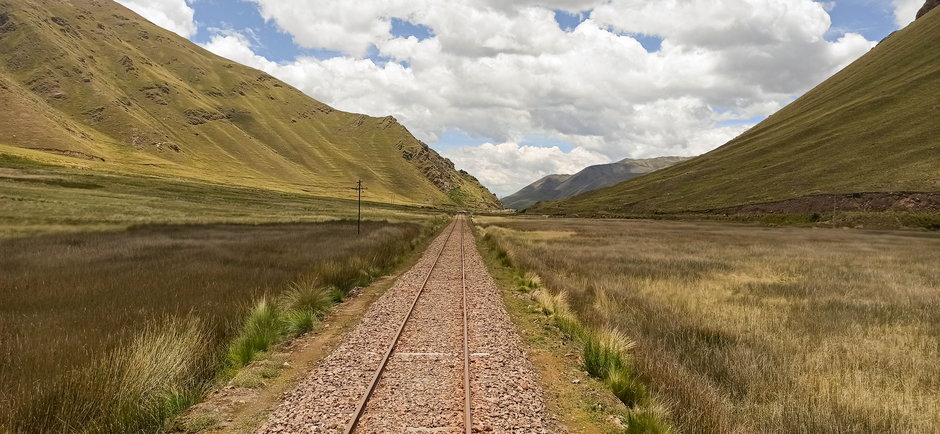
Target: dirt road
pixel 457 332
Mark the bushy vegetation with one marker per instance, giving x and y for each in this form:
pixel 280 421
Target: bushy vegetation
pixel 118 332
pixel 745 328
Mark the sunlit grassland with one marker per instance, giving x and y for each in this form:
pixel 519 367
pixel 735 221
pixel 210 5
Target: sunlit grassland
pixel 36 198
pixel 752 329
pixel 117 331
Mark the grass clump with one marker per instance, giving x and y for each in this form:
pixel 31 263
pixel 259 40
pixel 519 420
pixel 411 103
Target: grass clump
pixel 305 294
pixel 605 356
pixel 162 371
pixel 528 282
pixel 298 322
pixel 263 327
pixel 557 307
pixel 605 352
pixel 648 420
pixel 627 388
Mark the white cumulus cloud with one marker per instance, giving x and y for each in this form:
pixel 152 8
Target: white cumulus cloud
pixel 905 11
pixel 505 167
pixel 506 71
pixel 173 15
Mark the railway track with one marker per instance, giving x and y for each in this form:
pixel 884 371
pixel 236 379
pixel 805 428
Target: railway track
pixel 457 226
pixel 437 353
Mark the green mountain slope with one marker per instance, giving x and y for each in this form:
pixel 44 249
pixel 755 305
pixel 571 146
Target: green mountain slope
pixel 90 83
pixel 555 187
pixel 873 127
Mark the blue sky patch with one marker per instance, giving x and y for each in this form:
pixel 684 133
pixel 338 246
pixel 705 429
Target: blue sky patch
pixel 456 138
pixel 403 29
pixel 651 43
pixel 872 19
pixel 543 141
pixel 567 21
pixel 268 40
pixel 738 122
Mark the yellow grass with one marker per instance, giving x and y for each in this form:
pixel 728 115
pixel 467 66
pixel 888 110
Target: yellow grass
pixel 750 329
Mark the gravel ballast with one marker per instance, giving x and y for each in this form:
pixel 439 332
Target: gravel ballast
pixel 422 387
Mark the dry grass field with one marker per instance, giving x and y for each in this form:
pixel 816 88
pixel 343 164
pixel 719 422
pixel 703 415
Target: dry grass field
pixel 116 331
pixel 744 329
pixel 38 198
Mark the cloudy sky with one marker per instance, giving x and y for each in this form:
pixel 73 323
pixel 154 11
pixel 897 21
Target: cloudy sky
pixel 515 90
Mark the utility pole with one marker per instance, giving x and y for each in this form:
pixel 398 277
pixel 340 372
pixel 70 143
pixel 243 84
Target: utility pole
pixel 359 189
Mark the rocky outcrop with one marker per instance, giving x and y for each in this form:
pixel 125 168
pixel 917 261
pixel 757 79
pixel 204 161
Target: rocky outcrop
pixel 928 6
pixel 440 171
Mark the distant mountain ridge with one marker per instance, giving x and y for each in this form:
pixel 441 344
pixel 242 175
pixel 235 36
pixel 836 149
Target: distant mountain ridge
pixel 866 133
pixel 90 83
pixel 555 187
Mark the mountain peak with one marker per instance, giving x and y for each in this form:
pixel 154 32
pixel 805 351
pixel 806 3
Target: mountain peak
pixel 93 80
pixel 555 187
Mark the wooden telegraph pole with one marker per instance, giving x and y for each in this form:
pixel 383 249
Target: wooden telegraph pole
pixel 359 189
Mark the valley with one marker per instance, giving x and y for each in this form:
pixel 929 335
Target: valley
pixel 865 130
pixel 210 223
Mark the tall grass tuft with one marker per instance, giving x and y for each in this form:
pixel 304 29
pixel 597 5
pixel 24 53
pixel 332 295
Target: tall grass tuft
pixel 344 275
pixel 298 322
pixel 605 352
pixel 627 388
pixel 261 329
pixel 162 371
pixel 649 420
pixel 528 282
pixel 557 307
pixel 305 294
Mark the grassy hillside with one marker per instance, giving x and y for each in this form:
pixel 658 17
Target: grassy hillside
pixel 545 188
pixel 873 127
pixel 555 187
pixel 91 84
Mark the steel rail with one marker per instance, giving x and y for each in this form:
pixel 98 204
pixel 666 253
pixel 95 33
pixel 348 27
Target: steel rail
pixel 466 339
pixel 360 409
